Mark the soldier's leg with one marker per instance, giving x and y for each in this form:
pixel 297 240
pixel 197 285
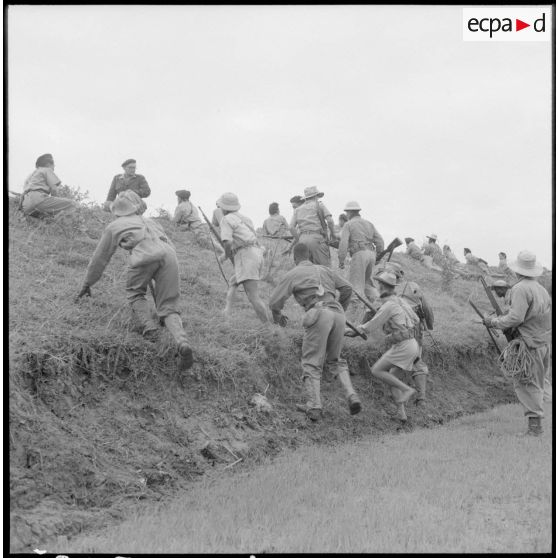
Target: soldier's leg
pixel 230 298
pixel 167 295
pixel 251 288
pixel 370 290
pixel 420 372
pixel 337 365
pixel 397 393
pixel 51 205
pixel 137 280
pixel 314 345
pixel 319 250
pixel 381 370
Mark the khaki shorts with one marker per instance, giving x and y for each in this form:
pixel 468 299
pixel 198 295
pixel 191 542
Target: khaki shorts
pixel 248 264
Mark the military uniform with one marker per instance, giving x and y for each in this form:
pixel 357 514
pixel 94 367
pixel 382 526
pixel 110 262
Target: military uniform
pixel 122 182
pixel 247 252
pixel 434 251
pixel 308 224
pixel 414 251
pixel 475 262
pixel 186 217
pixel 314 288
pixel 37 198
pixel 276 225
pixel 362 241
pixel 531 312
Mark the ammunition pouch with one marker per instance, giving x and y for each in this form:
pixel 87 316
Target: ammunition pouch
pixel 398 336
pixel 360 246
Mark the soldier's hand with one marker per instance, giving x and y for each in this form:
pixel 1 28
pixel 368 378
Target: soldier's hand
pixel 85 291
pixel 350 332
pixel 106 206
pixel 488 321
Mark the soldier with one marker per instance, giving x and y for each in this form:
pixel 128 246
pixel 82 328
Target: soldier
pixel 531 313
pixel 296 201
pixel 503 266
pixel 186 217
pixel 398 322
pixel 475 262
pixel 275 224
pixel 39 191
pixel 501 288
pixel 310 224
pixel 152 257
pixel 413 294
pixel 216 217
pixel 449 255
pixel 363 242
pixel 127 181
pixel 432 253
pixel 314 288
pixel 241 245
pixel 413 250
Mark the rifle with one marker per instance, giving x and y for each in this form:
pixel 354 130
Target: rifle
pixel 287 238
pixel 323 223
pixel 214 231
pixel 487 328
pixel 389 249
pixel 351 326
pixel 510 333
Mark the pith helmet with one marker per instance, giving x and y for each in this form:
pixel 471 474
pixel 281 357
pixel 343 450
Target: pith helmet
pixel 387 278
pixel 229 202
pixel 394 267
pixel 312 191
pixel 526 264
pixel 126 203
pixel 501 283
pixel 352 206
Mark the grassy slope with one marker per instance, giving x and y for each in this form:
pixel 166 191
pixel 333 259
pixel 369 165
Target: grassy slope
pixel 470 486
pixel 101 420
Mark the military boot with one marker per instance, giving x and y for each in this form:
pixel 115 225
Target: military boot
pixel 534 426
pixel 140 308
pixel 420 383
pixel 313 406
pixel 174 324
pixel 352 398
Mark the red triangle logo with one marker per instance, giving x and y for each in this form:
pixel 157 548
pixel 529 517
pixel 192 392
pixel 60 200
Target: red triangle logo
pixel 519 25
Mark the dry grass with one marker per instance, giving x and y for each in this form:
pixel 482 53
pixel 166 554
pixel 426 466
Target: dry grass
pixel 472 486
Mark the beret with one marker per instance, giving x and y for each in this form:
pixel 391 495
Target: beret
pixel 43 160
pixel 127 162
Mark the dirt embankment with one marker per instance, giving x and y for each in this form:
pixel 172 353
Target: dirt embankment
pixel 101 421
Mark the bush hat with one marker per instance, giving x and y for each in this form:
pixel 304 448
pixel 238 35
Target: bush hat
pixel 183 193
pixel 432 236
pixel 44 160
pixel 387 278
pixel 395 268
pixel 312 191
pixel 527 265
pixel 128 162
pixel 352 206
pixel 127 203
pixel 229 202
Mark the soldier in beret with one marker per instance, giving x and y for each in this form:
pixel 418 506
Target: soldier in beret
pixel 127 181
pixel 39 191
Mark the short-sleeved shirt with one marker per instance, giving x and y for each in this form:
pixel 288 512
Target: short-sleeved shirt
pixel 303 282
pixel 276 225
pixel 136 183
pixel 41 179
pixel 186 214
pixel 414 251
pixel 432 249
pixel 394 315
pixel 306 219
pixel 217 216
pixel 239 230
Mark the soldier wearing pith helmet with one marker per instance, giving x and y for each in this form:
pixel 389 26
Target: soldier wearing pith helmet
pixel 361 239
pixel 310 224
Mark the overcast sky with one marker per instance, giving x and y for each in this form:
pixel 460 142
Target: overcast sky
pixel 385 105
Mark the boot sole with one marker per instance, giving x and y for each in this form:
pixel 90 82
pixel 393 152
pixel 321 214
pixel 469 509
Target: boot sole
pixel 355 407
pixel 185 358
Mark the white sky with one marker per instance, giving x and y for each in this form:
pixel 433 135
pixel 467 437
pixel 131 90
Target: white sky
pixel 386 105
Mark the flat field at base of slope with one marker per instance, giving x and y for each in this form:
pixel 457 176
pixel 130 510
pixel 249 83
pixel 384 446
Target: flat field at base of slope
pixel 474 485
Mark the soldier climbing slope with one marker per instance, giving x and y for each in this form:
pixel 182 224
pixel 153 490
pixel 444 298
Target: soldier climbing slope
pixel 243 249
pixel 363 242
pixel 152 257
pixel 398 322
pixel 314 288
pixel 310 224
pixel 527 357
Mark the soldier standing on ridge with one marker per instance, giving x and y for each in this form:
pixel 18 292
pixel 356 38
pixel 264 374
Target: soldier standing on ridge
pixel 432 253
pixel 398 322
pixel 314 288
pixel 363 242
pixel 39 191
pixel 242 246
pixel 127 181
pixel 503 266
pixel 152 257
pixel 310 224
pixel 531 313
pixel 473 261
